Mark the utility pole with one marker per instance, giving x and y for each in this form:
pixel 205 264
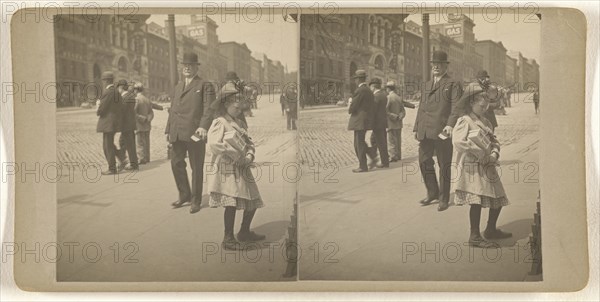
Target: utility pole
pixel 426 67
pixel 172 49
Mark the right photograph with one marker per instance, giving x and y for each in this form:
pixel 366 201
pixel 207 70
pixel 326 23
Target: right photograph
pixel 419 147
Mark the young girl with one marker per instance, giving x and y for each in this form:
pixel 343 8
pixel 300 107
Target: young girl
pixel 232 186
pixel 477 182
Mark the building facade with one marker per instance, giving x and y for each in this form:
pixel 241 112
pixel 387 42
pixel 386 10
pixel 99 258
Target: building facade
pixel 460 29
pixel 256 70
pixel 413 56
pixel 527 71
pixel 494 59
pixel 332 51
pixel 238 58
pixel 85 49
pixel 512 71
pixel 159 81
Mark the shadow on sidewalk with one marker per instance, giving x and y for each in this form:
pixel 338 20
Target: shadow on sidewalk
pixel 81 199
pixel 520 230
pixel 274 230
pixel 327 196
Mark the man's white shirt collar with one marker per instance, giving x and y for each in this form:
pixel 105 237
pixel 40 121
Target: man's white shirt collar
pixel 436 79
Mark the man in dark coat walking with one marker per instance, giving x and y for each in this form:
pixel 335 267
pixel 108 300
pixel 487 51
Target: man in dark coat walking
pixel 128 127
pixel 436 117
pixel 291 106
pixel 361 118
pixel 190 115
pixel 378 136
pixel 109 120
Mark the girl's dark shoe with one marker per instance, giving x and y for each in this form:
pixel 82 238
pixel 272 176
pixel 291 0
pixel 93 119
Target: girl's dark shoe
pixel 476 240
pixel 250 236
pixel 229 243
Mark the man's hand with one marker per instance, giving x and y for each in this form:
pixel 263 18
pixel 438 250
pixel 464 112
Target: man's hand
pixel 447 131
pixel 167 137
pixel 202 133
pixel 97 103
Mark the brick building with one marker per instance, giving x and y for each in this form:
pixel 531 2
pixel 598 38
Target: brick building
pixel 494 59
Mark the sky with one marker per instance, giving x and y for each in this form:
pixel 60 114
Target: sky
pixel 276 38
pixel 519 36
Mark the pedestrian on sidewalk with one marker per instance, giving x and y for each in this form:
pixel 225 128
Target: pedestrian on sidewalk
pixel 436 116
pixel 378 137
pixel 291 107
pixel 395 114
pixel 282 103
pixel 536 101
pixel 477 182
pixel 361 111
pixel 190 115
pixel 144 117
pixel 109 120
pixel 232 185
pixel 128 126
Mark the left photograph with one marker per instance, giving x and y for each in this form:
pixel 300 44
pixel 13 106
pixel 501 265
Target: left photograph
pixel 176 134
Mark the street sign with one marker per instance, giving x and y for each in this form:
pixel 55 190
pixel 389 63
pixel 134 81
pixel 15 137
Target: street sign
pixel 454 30
pixel 196 31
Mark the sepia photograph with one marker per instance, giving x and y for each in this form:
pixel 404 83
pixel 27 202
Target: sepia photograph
pixel 421 136
pixel 176 134
pixel 224 150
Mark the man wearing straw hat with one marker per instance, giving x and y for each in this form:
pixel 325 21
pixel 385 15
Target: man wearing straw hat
pixel 436 117
pixel 190 117
pixel 395 114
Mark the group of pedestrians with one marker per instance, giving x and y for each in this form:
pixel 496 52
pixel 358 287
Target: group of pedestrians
pixel 124 109
pixel 453 124
pixel 200 117
pixel 382 112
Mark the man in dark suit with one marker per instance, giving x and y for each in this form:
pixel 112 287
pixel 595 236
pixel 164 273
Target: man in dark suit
pixel 378 136
pixel 190 115
pixel 291 106
pixel 361 118
pixel 128 127
pixel 109 121
pixel 436 117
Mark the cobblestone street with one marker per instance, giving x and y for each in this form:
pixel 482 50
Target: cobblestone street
pixel 325 140
pixel 78 141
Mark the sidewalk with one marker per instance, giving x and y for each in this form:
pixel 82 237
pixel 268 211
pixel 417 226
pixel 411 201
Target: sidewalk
pixel 130 221
pixel 346 234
